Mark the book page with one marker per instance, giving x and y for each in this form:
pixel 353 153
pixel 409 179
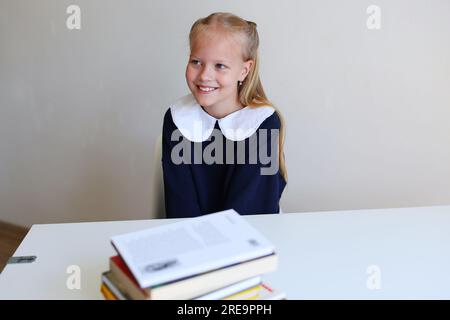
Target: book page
pixel 194 245
pixel 173 242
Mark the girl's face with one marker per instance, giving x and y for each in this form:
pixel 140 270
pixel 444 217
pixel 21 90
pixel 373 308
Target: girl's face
pixel 214 68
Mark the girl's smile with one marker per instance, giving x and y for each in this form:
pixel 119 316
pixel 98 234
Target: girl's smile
pixel 206 89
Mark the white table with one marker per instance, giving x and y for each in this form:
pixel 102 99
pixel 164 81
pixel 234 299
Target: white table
pixel 323 255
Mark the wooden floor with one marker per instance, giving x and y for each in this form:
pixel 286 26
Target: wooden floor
pixel 10 238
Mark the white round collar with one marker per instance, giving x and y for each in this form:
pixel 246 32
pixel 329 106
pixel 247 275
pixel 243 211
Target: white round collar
pixel 197 125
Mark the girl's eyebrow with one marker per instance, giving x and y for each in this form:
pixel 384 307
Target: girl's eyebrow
pixel 216 61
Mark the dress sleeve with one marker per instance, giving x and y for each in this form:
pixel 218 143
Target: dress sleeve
pixel 250 191
pixel 180 194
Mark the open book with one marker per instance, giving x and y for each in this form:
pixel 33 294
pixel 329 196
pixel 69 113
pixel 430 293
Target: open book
pixel 171 252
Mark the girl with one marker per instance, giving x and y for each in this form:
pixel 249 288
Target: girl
pixel 223 143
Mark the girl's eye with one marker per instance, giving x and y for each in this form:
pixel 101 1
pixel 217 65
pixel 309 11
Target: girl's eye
pixel 195 62
pixel 221 66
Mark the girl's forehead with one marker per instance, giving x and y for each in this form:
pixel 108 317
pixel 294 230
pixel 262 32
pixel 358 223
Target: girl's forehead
pixel 217 43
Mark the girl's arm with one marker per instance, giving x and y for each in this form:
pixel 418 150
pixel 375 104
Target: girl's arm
pixel 252 193
pixel 179 190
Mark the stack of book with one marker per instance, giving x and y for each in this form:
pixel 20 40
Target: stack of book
pixel 216 256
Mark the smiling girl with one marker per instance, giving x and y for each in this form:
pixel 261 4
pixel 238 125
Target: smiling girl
pixel 227 123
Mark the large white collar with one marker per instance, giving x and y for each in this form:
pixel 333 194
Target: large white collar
pixel 197 125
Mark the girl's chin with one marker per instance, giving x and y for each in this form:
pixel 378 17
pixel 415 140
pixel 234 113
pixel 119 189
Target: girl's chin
pixel 205 101
pixel 206 97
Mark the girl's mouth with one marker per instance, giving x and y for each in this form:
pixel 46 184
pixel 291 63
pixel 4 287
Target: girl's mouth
pixel 206 90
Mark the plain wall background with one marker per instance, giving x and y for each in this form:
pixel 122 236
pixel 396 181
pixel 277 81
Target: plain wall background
pixel 367 111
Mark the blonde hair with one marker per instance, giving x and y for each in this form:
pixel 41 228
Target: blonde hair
pixel 251 92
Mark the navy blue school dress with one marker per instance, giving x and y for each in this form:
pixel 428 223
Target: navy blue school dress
pixel 210 164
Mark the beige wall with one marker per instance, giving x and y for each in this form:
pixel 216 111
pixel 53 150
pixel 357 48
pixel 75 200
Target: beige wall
pixel 367 111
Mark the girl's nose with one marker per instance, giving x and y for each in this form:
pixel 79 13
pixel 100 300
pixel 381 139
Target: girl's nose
pixel 205 74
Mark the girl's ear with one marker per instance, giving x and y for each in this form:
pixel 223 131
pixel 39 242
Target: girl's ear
pixel 247 67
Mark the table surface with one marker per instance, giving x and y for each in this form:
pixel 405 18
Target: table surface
pixel 399 253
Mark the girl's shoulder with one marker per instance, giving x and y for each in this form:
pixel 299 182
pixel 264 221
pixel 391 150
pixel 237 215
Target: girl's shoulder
pixel 185 104
pixel 180 112
pixel 271 122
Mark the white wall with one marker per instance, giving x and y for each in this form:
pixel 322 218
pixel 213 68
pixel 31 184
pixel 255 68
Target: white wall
pixel 367 111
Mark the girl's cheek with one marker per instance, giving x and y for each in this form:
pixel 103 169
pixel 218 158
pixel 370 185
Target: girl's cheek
pixel 190 73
